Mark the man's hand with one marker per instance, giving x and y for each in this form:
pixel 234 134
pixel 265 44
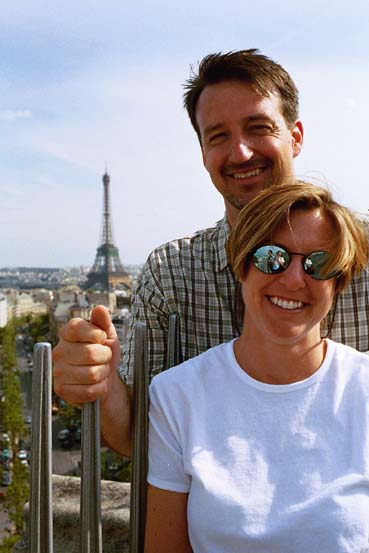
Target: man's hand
pixel 86 358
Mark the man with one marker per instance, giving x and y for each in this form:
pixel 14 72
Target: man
pixel 244 109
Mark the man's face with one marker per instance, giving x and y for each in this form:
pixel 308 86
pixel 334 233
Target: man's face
pixel 246 143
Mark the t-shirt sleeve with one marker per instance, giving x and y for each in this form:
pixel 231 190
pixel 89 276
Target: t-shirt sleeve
pixel 166 469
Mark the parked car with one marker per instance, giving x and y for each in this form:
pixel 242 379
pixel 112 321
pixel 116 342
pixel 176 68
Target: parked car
pixel 75 428
pixel 5 454
pixel 65 438
pixel 6 479
pixel 77 435
pixel 22 455
pixel 4 437
pixel 28 419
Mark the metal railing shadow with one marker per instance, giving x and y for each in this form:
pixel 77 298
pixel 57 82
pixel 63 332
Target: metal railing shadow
pixel 40 538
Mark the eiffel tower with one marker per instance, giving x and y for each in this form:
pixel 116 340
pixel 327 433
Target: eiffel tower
pixel 107 271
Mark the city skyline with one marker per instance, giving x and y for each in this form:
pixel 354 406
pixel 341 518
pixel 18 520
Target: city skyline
pixel 86 86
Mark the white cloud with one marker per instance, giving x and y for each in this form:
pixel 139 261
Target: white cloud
pixel 15 114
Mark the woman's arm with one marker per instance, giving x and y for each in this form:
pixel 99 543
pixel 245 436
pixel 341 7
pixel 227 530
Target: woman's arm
pixel 166 522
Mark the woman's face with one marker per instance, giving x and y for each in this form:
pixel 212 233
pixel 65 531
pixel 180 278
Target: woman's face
pixel 287 307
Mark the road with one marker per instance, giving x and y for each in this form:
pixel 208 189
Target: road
pixel 64 461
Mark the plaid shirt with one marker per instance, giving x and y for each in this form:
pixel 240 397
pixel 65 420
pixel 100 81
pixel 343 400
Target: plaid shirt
pixel 191 277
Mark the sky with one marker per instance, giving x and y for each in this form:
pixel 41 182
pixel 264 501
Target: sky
pixel 89 85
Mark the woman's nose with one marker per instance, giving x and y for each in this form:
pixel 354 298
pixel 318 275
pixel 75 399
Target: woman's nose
pixel 294 276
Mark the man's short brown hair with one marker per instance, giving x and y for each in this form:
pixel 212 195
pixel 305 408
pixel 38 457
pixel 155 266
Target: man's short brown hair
pixel 248 66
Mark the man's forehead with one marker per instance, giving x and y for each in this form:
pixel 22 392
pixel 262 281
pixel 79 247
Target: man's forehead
pixel 227 97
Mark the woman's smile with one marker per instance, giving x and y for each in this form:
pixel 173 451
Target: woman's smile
pixel 285 303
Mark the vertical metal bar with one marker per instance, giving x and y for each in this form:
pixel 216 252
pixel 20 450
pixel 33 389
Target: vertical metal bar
pixel 140 435
pixel 174 350
pixel 90 506
pixel 140 425
pixel 40 512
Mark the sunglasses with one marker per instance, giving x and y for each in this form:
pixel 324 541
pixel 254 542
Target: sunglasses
pixel 272 259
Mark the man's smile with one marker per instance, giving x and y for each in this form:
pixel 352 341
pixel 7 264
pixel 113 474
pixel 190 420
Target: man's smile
pixel 241 171
pixel 245 175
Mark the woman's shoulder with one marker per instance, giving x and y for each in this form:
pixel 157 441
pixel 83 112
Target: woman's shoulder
pixel 351 364
pixel 208 365
pixel 349 354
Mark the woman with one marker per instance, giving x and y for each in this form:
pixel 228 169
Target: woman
pixel 262 444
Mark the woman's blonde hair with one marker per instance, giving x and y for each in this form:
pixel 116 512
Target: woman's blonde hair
pixel 261 217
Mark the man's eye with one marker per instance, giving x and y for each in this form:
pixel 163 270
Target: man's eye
pixel 216 138
pixel 261 128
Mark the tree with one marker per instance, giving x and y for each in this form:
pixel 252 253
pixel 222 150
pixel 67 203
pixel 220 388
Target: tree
pixel 39 328
pixel 114 467
pixel 8 355
pixel 12 404
pixel 12 419
pixel 7 545
pixel 68 414
pixel 12 416
pixel 17 495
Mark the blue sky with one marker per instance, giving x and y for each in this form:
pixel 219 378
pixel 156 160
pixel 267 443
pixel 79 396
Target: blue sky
pixel 88 83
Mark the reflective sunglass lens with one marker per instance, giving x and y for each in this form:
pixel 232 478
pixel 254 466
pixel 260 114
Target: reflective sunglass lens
pixel 309 266
pixel 314 264
pixel 270 259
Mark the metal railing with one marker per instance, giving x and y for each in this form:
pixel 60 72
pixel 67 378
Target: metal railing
pixel 40 512
pixel 90 506
pixel 140 426
pixel 139 442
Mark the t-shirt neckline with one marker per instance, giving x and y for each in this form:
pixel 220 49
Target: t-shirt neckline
pixel 281 388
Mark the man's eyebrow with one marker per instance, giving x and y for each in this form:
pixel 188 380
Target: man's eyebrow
pixel 249 119
pixel 259 117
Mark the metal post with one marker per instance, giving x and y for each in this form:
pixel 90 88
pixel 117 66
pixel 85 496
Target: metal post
pixel 90 506
pixel 140 425
pixel 174 355
pixel 40 510
pixel 140 435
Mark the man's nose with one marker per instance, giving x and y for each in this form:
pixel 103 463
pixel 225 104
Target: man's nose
pixel 293 278
pixel 241 150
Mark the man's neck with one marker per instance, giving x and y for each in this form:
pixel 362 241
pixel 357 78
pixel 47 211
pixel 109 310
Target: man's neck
pixel 231 214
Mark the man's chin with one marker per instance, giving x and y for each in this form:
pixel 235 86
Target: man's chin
pixel 240 203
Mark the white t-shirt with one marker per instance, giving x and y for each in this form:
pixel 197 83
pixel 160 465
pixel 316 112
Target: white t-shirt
pixel 268 468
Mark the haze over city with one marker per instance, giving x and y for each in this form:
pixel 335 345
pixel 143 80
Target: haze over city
pixel 86 85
